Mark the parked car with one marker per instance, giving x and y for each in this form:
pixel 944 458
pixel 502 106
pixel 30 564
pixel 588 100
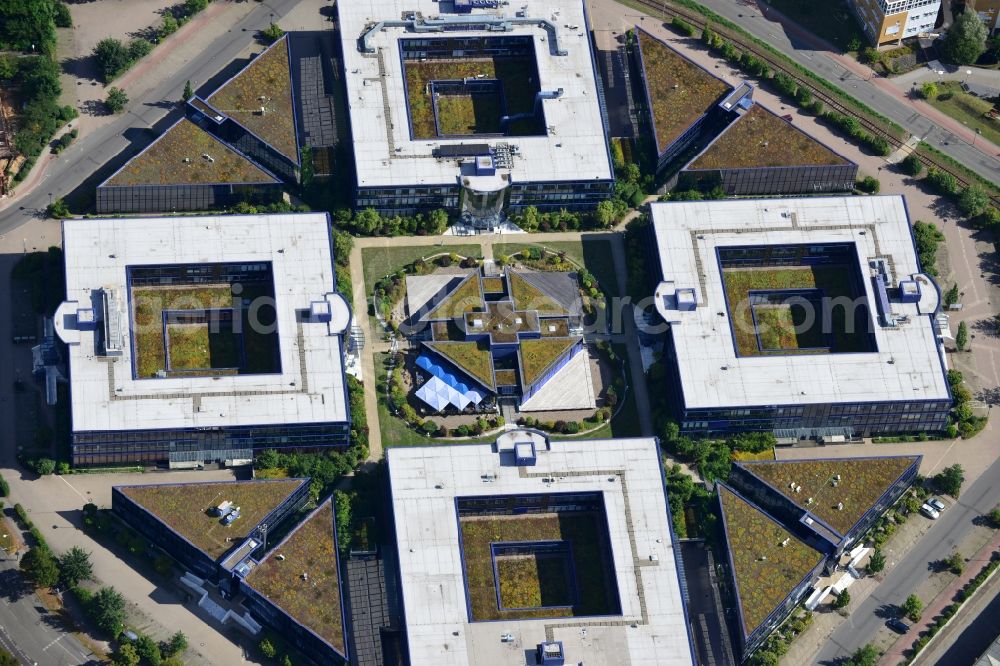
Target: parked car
pixel 936 503
pixel 898 625
pixel 930 511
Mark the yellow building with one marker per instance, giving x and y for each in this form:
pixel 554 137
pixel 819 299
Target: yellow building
pixel 988 10
pixel 891 21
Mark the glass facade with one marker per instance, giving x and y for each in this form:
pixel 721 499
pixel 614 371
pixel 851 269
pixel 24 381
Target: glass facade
pixel 231 132
pixel 864 419
pixel 571 195
pixel 482 208
pixel 409 200
pixel 774 180
pixel 202 445
pixel 168 198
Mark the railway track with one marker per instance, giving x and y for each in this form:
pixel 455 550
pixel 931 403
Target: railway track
pixel 870 125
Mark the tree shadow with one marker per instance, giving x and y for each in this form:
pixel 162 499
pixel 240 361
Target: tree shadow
pixel 12 585
pixel 162 104
pixel 887 611
pixel 83 67
pixel 989 328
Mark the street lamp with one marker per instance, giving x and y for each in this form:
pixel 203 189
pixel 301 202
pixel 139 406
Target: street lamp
pixel 979 130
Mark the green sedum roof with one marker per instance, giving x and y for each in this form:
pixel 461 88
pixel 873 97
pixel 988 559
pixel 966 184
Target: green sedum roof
pixel 862 482
pixel 315 601
pixel 184 508
pixel 765 571
pixel 472 357
pixel 266 82
pixel 466 297
pixel 177 158
pixel 538 355
pixel 526 296
pixel 761 139
pixel 680 91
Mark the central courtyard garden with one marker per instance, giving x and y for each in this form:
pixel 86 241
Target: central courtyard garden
pixel 456 96
pixel 536 565
pixel 205 329
pixel 783 300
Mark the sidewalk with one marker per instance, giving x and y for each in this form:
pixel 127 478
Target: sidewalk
pixel 942 600
pixel 826 621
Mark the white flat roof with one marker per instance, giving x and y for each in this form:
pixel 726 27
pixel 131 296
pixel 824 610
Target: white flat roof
pixel 310 387
pixel 384 154
pixel 425 482
pixel 909 364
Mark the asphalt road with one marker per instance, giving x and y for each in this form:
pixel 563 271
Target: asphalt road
pixel 939 542
pixel 29 631
pixel 92 151
pixel 751 20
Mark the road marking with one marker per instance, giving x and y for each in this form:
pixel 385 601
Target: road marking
pixel 54 641
pixel 71 486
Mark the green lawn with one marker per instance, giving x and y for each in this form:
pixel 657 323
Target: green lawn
pixel 967 109
pixel 380 261
pixel 832 20
pixel 593 254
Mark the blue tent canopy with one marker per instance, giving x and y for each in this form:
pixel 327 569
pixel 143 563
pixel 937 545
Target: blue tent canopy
pixel 439 395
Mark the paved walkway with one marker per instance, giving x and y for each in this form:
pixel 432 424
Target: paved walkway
pixel 942 600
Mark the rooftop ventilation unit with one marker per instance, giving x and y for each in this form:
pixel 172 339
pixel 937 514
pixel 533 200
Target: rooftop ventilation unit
pixel 525 454
pixel 550 654
pixel 111 309
pixel 880 282
pixel 686 299
pixel 909 291
pixel 320 311
pixel 86 320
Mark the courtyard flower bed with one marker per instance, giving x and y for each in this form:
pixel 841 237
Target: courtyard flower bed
pixel 531 581
pixel 764 570
pixel 305 583
pixel 184 507
pixel 518 85
pixel 148 304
